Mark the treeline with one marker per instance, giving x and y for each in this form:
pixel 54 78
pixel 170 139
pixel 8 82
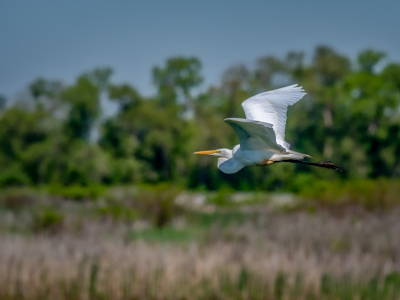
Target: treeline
pixel 62 134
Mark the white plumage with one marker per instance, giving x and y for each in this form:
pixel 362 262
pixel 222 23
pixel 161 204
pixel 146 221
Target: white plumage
pixel 255 135
pixel 262 133
pixel 271 107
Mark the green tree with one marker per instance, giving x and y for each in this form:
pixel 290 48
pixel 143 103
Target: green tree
pixel 84 108
pixel 175 81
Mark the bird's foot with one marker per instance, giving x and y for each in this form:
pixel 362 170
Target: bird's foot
pixel 266 162
pixel 328 164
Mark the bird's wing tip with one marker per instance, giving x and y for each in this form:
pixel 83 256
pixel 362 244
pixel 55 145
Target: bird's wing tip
pixel 234 119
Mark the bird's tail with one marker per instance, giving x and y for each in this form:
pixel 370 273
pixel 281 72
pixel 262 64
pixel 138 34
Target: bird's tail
pixel 300 154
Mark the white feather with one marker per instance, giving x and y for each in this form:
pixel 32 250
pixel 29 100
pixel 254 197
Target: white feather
pixel 255 135
pixel 271 107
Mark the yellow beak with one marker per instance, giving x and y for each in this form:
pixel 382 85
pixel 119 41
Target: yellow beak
pixel 208 152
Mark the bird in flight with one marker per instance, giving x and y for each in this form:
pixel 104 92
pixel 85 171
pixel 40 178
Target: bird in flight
pixel 262 133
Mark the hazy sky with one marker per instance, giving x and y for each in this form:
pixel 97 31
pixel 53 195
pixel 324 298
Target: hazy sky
pixel 61 39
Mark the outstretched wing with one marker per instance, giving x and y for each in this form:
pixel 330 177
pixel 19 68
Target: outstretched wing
pixel 255 135
pixel 271 107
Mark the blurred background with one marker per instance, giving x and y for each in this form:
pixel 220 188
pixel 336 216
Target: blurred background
pixel 102 105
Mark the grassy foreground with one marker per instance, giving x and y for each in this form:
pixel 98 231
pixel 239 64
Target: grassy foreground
pixel 133 244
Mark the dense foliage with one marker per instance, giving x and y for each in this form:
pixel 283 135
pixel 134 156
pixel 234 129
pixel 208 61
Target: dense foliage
pixel 64 134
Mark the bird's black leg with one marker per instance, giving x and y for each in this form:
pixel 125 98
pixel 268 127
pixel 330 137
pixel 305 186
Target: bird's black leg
pixel 322 164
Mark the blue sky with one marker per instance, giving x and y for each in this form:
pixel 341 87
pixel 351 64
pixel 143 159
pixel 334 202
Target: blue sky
pixel 61 39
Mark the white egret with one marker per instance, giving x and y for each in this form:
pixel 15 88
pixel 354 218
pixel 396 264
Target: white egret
pixel 262 133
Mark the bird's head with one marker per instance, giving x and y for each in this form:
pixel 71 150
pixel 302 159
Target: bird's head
pixel 219 152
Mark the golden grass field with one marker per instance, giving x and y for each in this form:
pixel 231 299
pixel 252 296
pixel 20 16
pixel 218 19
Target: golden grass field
pixel 206 251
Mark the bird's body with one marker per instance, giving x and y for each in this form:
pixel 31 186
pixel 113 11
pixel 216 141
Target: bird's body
pixel 262 133
pixel 243 158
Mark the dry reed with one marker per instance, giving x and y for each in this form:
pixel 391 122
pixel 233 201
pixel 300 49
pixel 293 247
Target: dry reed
pixel 267 256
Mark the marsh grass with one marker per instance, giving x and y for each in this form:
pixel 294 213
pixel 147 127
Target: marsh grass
pixel 113 248
pixel 142 271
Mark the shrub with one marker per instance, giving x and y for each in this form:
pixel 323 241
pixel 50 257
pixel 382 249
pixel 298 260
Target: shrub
pixel 13 177
pixel 117 211
pixel 49 220
pixel 370 194
pixel 158 204
pixel 77 192
pixel 16 199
